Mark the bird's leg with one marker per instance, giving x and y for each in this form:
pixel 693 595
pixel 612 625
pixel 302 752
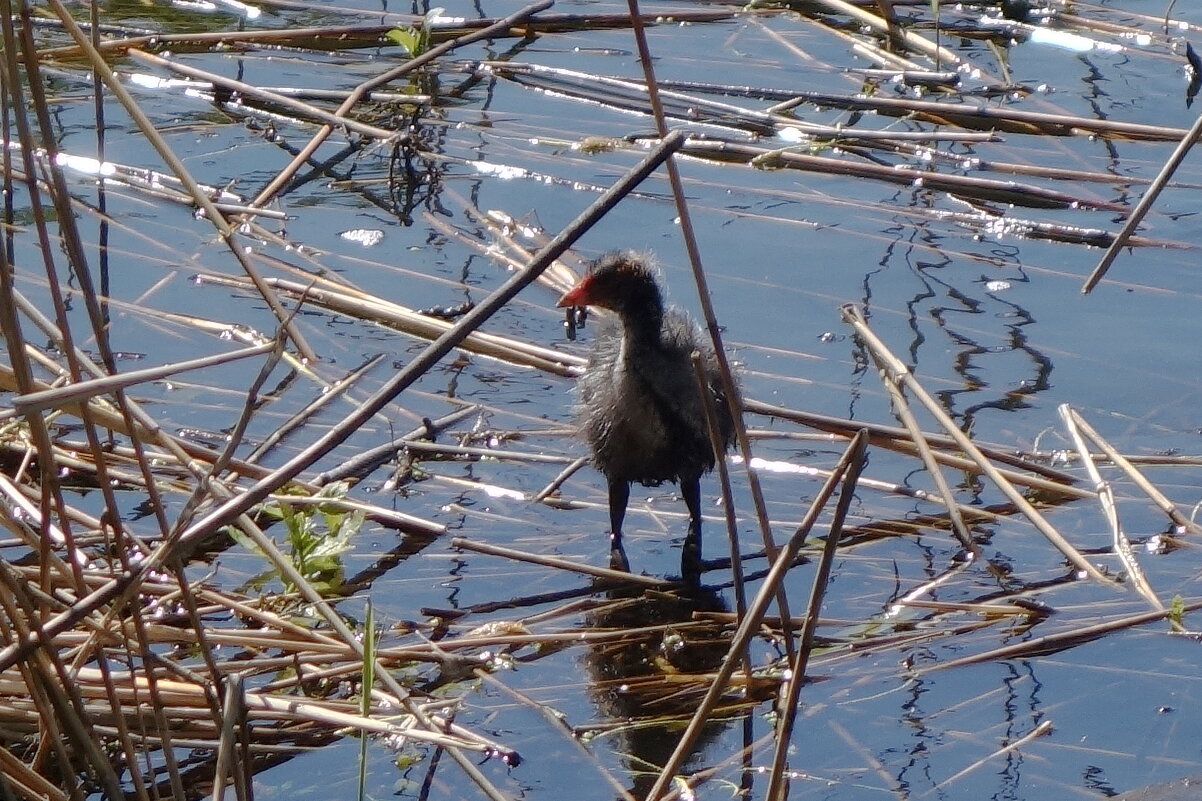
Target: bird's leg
pixel 690 557
pixel 619 495
pixel 617 557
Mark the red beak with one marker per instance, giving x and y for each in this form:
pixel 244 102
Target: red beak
pixel 577 295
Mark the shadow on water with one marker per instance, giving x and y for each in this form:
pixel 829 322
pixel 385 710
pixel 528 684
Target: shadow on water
pixel 646 685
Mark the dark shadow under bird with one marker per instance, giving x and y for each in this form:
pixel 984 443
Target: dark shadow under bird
pixel 640 409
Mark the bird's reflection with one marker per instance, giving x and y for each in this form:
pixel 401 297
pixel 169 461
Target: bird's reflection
pixel 647 682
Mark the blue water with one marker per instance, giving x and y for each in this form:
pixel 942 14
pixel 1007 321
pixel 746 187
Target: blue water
pixel 993 325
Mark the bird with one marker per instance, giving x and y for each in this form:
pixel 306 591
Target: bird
pixel 639 407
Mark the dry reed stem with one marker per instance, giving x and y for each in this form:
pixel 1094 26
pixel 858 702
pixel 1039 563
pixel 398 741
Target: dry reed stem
pixel 303 110
pixel 903 412
pixel 751 623
pixel 705 393
pixel 895 370
pixel 76 393
pixel 1105 495
pixel 932 584
pixel 634 96
pixel 909 38
pixel 857 450
pixel 730 388
pixel 1125 464
pixel 891 63
pixel 189 701
pixel 489 30
pixel 148 130
pixel 1051 643
pixel 55 696
pixel 63 398
pixel 233 725
pixel 328 395
pixel 994 118
pixel 986 189
pixel 140 180
pixel 350 37
pixel 1144 205
pixel 27 523
pixel 1047 478
pixel 620 576
pixel 145 430
pixel 391 518
pixel 367 461
pixel 51 497
pixel 383 312
pixel 555 483
pixel 1043 728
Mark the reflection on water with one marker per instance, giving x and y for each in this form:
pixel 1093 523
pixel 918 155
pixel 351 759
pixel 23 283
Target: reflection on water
pixel 646 685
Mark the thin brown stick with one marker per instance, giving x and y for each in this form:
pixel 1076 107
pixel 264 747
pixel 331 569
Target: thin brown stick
pixel 366 461
pixel 1056 642
pixel 705 393
pixel 629 95
pixel 730 387
pixel 364 88
pixel 1044 727
pixel 621 576
pixel 898 371
pixel 1123 463
pixel 912 40
pixel 895 438
pixel 747 628
pixel 777 786
pixel 61 397
pixel 372 36
pixel 304 110
pixel 362 306
pixel 557 482
pixel 1105 496
pixel 233 722
pixel 992 189
pixel 1145 203
pixel 902 409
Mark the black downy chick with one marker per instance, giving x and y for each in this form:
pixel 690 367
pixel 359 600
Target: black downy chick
pixel 639 408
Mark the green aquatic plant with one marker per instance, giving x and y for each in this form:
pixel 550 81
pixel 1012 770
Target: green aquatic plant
pixel 1176 613
pixel 317 535
pixel 369 679
pixel 415 40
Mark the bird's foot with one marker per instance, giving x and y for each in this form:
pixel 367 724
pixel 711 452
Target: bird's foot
pixel 617 554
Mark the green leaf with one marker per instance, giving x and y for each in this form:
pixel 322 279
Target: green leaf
pixel 408 39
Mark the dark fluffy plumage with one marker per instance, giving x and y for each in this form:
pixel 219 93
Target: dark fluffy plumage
pixel 639 408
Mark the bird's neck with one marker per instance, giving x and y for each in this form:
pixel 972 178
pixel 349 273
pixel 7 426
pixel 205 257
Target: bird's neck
pixel 643 328
pixel 642 313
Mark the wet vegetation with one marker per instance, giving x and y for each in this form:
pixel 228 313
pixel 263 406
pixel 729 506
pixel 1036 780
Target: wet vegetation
pixel 347 504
